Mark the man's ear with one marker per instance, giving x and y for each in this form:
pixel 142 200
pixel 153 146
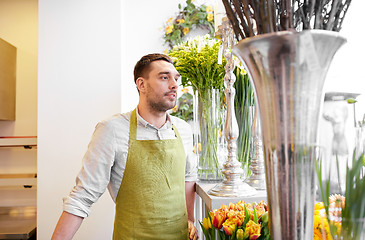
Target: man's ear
pixel 141 84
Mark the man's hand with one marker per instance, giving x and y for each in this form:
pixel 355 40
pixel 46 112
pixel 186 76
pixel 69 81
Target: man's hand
pixel 193 232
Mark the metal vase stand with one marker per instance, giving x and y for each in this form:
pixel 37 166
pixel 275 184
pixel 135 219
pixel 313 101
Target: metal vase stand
pixel 232 184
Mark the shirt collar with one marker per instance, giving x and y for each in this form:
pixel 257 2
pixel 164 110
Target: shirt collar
pixel 144 123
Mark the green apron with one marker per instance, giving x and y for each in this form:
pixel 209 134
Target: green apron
pixel 151 199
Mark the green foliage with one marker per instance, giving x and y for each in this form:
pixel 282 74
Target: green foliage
pixel 354 209
pixel 244 99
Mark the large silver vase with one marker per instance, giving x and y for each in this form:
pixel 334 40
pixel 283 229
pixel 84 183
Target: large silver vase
pixel 288 71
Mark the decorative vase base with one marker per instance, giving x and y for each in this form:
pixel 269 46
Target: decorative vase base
pixel 238 189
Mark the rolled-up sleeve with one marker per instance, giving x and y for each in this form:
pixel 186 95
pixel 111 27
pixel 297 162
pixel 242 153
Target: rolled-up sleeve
pixel 94 176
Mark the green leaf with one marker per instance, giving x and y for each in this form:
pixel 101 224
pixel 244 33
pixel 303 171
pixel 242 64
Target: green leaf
pixel 254 214
pixel 247 217
pixel 351 100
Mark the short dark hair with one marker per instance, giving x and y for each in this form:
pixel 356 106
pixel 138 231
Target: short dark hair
pixel 142 66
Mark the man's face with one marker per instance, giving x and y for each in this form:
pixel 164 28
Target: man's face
pixel 161 86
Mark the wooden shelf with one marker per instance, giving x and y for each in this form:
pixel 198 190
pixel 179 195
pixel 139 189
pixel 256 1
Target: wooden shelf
pixel 18 141
pixel 27 180
pixel 18 175
pixel 18 196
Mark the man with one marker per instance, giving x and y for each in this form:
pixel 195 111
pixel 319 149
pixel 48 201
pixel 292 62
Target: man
pixel 145 159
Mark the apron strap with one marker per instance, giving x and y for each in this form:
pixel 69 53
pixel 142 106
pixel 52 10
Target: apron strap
pixel 176 132
pixel 133 125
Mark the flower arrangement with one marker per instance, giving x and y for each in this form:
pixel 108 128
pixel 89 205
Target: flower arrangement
pixel 197 62
pixel 237 222
pixel 190 17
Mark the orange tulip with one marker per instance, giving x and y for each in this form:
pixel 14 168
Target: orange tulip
pixel 229 226
pixel 219 217
pixel 231 214
pixel 253 230
pixel 231 206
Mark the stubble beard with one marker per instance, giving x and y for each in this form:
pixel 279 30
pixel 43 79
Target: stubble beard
pixel 160 106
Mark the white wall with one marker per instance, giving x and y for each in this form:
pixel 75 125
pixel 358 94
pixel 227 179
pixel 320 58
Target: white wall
pixel 87 51
pixel 143 26
pixel 78 85
pixel 346 73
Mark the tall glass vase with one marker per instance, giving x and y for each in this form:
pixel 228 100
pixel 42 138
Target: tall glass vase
pixel 288 70
pixel 208 133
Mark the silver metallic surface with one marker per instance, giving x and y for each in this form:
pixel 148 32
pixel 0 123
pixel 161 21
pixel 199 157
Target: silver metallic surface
pixel 232 185
pixel 257 167
pixel 288 71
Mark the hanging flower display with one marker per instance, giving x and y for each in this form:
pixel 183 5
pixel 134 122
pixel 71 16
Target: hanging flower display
pixel 190 17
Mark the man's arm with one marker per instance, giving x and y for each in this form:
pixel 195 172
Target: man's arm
pixel 67 226
pixel 190 201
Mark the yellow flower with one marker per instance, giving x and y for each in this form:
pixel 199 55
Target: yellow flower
pixel 185 90
pixel 317 221
pixel 199 147
pixel 239 234
pixel 317 235
pixel 179 21
pixel 210 17
pixel 186 30
pixel 206 223
pixel 319 205
pixel 209 9
pixel 169 28
pixel 321 228
pixel 170 20
pixel 229 226
pixel 253 230
pixel 175 109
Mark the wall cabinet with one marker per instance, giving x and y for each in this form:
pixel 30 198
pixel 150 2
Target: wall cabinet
pixel 7 80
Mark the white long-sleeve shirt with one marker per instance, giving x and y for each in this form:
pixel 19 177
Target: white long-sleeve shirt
pixel 105 160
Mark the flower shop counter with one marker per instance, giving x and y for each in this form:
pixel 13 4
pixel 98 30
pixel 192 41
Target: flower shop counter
pixel 213 202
